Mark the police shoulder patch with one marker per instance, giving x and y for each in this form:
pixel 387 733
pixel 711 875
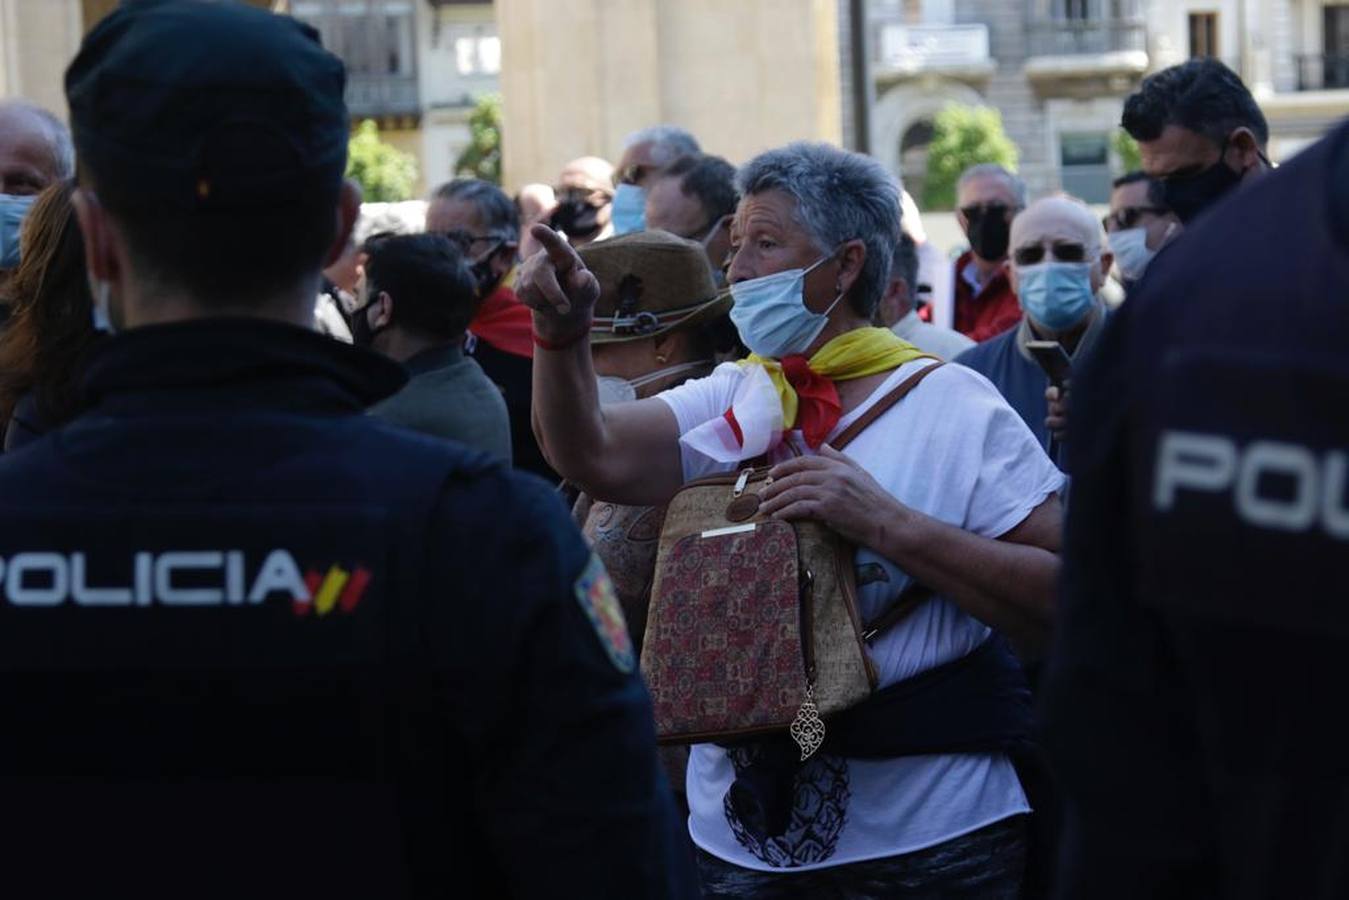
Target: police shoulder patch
pixel 595 592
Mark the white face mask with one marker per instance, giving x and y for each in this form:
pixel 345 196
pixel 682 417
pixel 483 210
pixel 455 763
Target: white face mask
pixel 101 290
pixel 771 313
pixel 1132 255
pixel 613 389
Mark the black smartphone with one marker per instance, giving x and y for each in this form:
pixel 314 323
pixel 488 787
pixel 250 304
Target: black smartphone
pixel 1053 359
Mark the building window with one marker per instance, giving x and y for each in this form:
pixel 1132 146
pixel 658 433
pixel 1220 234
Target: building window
pixel 373 37
pixel 478 54
pixel 1085 162
pixel 1336 65
pixel 1075 10
pixel 1203 35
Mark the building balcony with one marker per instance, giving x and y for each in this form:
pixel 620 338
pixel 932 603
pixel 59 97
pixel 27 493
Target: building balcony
pixel 1322 72
pixel 380 95
pixel 1086 48
pixel 1086 36
pixel 947 49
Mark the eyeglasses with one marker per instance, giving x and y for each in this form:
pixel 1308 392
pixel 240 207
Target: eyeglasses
pixel 985 209
pixel 1129 216
pixel 635 173
pixel 466 240
pixel 1061 251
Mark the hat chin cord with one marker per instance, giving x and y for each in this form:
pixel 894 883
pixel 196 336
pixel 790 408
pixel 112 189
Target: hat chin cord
pixel 678 369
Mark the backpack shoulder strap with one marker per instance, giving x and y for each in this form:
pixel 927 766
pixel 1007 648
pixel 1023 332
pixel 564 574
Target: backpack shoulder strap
pixel 882 405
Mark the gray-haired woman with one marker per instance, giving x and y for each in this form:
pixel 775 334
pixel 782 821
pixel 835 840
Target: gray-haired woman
pixel 948 488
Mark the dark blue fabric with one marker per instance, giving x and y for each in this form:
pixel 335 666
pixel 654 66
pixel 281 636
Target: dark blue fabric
pixel 1193 699
pixel 979 703
pixel 457 727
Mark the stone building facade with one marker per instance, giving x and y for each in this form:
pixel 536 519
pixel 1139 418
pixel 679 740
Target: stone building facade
pixel 1059 70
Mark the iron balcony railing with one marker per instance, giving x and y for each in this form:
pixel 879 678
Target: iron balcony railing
pixel 1071 37
pixel 382 95
pixel 1322 71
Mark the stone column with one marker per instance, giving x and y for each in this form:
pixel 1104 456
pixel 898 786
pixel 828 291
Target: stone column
pixel 578 77
pixel 38 38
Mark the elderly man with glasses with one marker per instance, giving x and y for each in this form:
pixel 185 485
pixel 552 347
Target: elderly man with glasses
pixel 1059 261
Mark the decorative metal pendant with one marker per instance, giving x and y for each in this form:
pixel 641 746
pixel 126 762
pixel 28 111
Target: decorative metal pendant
pixel 808 728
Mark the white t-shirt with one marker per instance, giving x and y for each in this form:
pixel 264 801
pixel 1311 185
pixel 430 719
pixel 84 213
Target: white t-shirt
pixel 954 450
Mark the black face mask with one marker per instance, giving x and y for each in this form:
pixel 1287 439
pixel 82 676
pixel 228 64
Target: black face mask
pixel 576 218
pixel 362 335
pixel 1190 195
pixel 989 235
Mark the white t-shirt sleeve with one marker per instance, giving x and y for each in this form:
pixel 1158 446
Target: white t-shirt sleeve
pixel 698 401
pixel 954 450
pixel 1015 474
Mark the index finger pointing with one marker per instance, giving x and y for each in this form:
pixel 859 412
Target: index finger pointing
pixel 561 254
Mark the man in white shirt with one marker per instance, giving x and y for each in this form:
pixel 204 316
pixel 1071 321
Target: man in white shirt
pixel 897 311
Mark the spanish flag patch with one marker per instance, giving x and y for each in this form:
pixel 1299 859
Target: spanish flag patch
pixel 595 592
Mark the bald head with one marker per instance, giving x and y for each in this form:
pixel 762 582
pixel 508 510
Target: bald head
pixel 1063 232
pixel 1058 219
pixel 35 148
pixel 589 173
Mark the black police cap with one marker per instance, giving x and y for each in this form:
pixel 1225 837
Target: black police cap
pixel 208 105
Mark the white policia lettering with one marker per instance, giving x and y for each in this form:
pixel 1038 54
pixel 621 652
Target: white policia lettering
pixel 1216 464
pixel 50 579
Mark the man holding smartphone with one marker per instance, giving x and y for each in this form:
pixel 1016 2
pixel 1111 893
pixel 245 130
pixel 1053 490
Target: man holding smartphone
pixel 1059 261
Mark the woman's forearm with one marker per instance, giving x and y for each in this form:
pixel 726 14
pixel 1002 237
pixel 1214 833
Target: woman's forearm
pixel 566 410
pixel 1008 586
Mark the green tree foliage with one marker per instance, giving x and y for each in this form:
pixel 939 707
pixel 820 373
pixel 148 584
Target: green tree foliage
pixel 1126 148
pixel 384 172
pixel 482 157
pixel 962 137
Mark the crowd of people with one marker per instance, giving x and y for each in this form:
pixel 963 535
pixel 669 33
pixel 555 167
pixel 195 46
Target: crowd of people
pixel 351 530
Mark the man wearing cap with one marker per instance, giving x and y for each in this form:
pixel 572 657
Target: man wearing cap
pixel 252 638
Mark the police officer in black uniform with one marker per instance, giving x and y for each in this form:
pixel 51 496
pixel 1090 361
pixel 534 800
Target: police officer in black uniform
pixel 1197 694
pixel 252 641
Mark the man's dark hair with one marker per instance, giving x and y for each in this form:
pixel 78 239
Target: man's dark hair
pixel 709 179
pixel 1133 177
pixel 1156 190
pixel 1202 95
pixel 905 264
pixel 431 284
pixel 496 210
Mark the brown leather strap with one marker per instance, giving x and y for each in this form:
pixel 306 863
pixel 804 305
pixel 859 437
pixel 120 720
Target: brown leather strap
pixel 913 597
pixel 883 404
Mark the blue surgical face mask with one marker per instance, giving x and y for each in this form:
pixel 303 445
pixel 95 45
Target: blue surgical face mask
pixel 13 209
pixel 1057 295
pixel 771 313
pixel 629 210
